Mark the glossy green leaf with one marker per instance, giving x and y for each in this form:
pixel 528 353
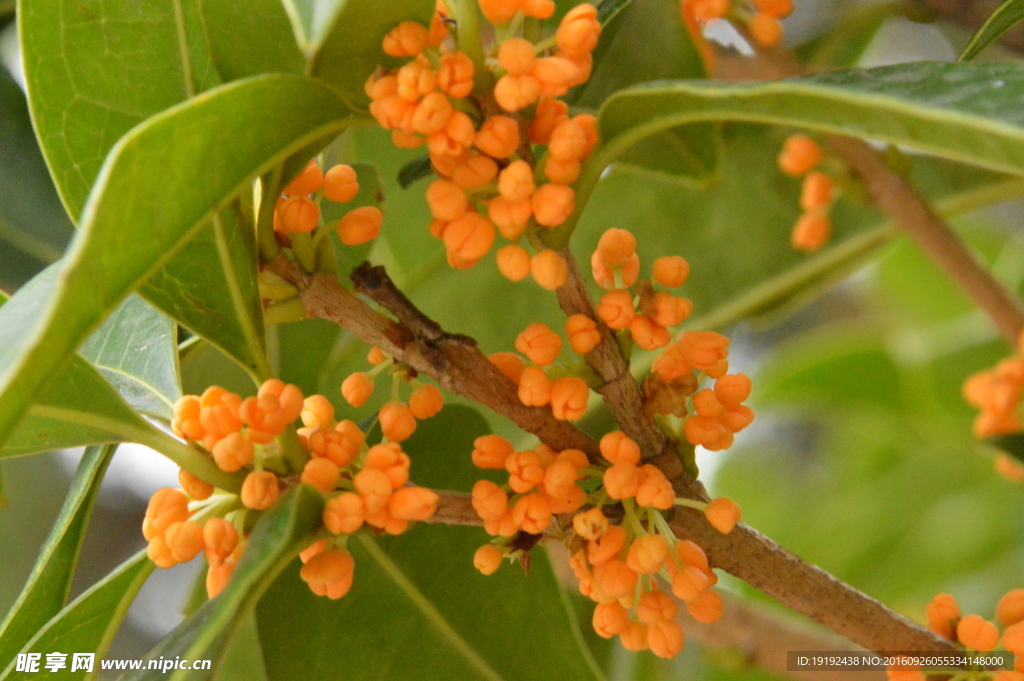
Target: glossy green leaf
pixel 159 159
pixel 83 101
pixel 33 226
pixel 965 112
pixel 310 19
pixel 47 588
pixel 275 542
pixel 247 39
pixel 1005 17
pixel 351 49
pixel 417 607
pixel 79 407
pixel 644 42
pixel 135 350
pixel 88 623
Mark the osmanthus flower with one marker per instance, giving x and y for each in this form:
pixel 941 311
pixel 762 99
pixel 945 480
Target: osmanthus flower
pixel 619 539
pixel 760 17
pixel 364 486
pixel 506 156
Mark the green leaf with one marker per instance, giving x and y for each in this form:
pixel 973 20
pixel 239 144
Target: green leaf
pixel 79 407
pixel 33 226
pixel 159 159
pixel 135 350
pixel 1012 444
pixel 275 542
pixel 350 49
pixel 644 42
pixel 47 588
pixel 1005 17
pixel 417 607
pixel 966 112
pixel 247 39
pixel 415 170
pixel 88 623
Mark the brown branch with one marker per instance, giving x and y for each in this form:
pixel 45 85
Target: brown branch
pixel 454 508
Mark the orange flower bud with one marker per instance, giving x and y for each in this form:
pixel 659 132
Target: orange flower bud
pixel 233 452
pixel 605 276
pixel 491 452
pixel 487 559
pixel 289 397
pixel 705 351
pixel 220 538
pixel 489 500
pixel 360 225
pixel 413 503
pixel 166 507
pixel 159 553
pixel 509 364
pixel 587 123
pixel 525 471
pixel 614 579
pixel 622 480
pixel 816 192
pixel 259 490
pixel 552 204
pixel 340 184
pixel 539 343
pixel 1010 608
pixel 503 526
pixel 731 390
pixel 617 448
pixel 616 309
pixel 582 332
pixel 513 93
pixel 723 513
pixel 186 423
pixel 549 269
pixel 511 218
pixel 299 214
pixel 217 578
pixel 357 388
pixel 590 524
pixel 307 181
pixel 647 334
pixel 312 550
pixel 668 310
pixel 532 513
pixel 426 401
pixel 469 237
pixel 498 137
pixel 477 171
pixel 1008 467
pixel 334 446
pixel 447 201
pixel 607 546
pixel 344 513
pixel 406 40
pixel 569 396
pixel 534 387
pixel 692 554
pixel 541 9
pixel 550 112
pixel 516 56
pixel 610 619
pixel 515 182
pixel 616 247
pixel 317 412
pixel 1013 639
pixel 800 154
pixel 706 607
pixel 561 171
pixel 397 421
pixel 654 491
pixel 568 141
pixel 195 487
pixel 688 582
pixel 431 114
pixel 559 476
pixel 977 633
pixel 655 605
pixel 415 79
pixel 578 32
pixel 330 573
pixel 455 77
pixel 634 637
pixel 321 473
pixel 671 270
pixel 184 540
pixel 513 262
pixel 665 638
pixel 647 554
pixel 374 487
pixel 500 11
pixel 765 29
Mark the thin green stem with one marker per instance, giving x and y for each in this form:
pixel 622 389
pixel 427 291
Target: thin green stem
pixel 190 458
pixel 292 452
pixel 690 503
pixel 285 311
pixel 270 188
pixel 305 254
pixel 467 18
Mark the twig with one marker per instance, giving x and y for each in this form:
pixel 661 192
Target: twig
pixel 454 508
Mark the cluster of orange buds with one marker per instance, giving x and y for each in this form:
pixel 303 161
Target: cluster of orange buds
pixel 800 155
pixel 712 415
pixel 647 313
pixel 298 207
pixel 616 564
pixel 567 395
pixel 486 125
pixel 397 418
pixel 761 17
pixel 996 393
pixel 363 484
pixel 976 633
